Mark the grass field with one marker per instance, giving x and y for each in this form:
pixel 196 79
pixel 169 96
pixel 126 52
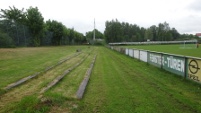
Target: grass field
pixel 188 50
pixel 118 84
pixel 20 62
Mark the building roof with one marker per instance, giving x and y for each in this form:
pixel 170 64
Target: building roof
pixel 198 34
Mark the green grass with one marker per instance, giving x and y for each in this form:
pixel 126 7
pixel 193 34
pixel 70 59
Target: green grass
pixel 21 62
pixel 190 50
pixel 118 84
pixel 70 83
pixel 28 104
pixel 10 100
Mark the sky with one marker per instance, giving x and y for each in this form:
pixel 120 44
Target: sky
pixel 184 15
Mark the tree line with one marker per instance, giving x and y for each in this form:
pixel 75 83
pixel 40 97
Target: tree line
pixel 28 28
pixel 116 31
pixel 19 27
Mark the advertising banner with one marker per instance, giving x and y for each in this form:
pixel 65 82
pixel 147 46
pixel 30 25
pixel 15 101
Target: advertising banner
pixel 154 59
pixel 143 56
pixel 136 54
pixel 174 64
pixel 193 68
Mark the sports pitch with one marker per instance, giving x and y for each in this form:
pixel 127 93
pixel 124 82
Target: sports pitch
pixel 179 49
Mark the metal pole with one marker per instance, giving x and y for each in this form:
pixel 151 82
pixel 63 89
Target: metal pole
pixel 94 31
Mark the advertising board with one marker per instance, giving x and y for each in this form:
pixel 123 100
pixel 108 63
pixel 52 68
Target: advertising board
pixel 154 59
pixel 174 64
pixel 193 69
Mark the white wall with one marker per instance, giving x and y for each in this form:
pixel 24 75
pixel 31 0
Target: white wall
pixel 136 54
pixel 143 56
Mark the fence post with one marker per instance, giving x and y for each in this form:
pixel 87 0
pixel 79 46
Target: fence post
pixel 161 60
pixel 139 55
pixel 185 68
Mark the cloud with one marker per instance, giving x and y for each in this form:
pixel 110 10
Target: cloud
pixel 184 15
pixel 195 5
pixel 189 24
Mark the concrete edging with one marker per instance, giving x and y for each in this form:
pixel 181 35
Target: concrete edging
pixel 84 83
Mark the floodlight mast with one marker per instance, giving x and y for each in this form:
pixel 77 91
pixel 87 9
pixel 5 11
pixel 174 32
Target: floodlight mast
pixel 94 38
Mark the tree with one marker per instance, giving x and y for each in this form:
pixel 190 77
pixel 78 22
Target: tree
pixel 163 32
pixel 14 22
pixel 57 29
pixel 79 37
pixel 66 32
pixel 71 36
pixel 5 40
pixel 149 34
pixel 35 24
pixel 113 31
pixel 98 35
pixel 154 30
pixel 175 34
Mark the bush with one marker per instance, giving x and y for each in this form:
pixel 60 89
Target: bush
pixel 5 40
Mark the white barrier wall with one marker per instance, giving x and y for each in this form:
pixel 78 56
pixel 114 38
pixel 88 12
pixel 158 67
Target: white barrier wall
pixel 143 56
pixel 127 51
pixel 187 67
pixel 112 47
pixel 130 52
pixel 136 54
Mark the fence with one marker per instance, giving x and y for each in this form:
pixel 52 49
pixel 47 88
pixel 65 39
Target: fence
pixel 154 42
pixel 185 66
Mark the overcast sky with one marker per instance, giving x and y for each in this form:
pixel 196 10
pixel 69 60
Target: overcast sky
pixel 184 15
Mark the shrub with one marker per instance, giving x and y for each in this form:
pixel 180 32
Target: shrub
pixel 5 40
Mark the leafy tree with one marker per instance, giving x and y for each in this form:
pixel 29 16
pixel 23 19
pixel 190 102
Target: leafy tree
pixel 71 36
pixel 5 40
pixel 113 31
pixel 79 37
pixel 175 34
pixel 65 39
pixel 149 34
pixel 154 31
pixel 163 32
pixel 35 24
pixel 98 35
pixel 57 29
pixel 14 22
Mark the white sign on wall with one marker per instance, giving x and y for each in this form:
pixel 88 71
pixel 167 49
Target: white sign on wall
pixel 136 54
pixel 143 56
pixel 127 51
pixel 131 52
